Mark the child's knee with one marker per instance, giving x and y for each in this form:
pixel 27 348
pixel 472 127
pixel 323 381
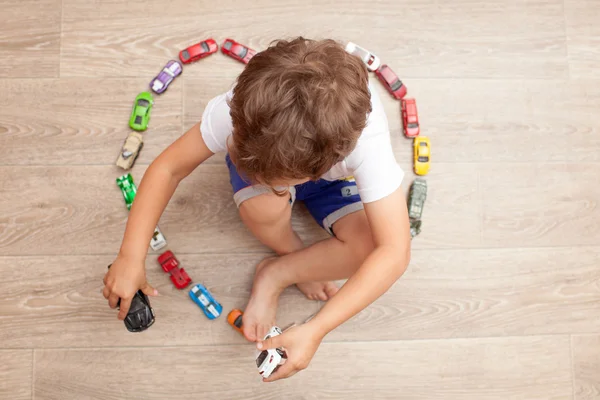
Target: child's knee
pixel 266 209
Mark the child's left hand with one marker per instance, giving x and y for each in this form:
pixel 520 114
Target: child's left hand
pixel 300 343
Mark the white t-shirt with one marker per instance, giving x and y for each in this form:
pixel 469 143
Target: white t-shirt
pixel 372 162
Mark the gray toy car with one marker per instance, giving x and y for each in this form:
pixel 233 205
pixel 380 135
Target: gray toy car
pixel 416 198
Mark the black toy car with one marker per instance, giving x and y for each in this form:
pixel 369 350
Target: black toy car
pixel 140 316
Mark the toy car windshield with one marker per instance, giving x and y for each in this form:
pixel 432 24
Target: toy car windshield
pixel 185 54
pixel 423 159
pixel 391 79
pixel 413 125
pixel 143 103
pixel 241 51
pixel 261 358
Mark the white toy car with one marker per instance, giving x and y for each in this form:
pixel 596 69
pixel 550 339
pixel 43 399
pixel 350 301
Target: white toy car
pixel 269 360
pixel 158 240
pixel 373 62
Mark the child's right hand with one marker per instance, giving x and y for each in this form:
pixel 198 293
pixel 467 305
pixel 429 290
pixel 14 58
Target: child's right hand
pixel 124 278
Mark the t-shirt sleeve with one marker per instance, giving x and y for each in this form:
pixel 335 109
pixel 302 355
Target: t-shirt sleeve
pixel 375 169
pixel 216 126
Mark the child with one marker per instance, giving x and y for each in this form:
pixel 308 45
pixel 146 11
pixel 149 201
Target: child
pixel 301 123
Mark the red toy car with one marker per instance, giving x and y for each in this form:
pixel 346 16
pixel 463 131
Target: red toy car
pixel 170 265
pixel 410 118
pixel 391 81
pixel 238 51
pixel 198 51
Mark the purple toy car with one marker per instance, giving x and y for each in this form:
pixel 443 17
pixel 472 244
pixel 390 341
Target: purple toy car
pixel 166 76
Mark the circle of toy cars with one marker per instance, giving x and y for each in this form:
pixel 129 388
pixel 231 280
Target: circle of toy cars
pixel 141 315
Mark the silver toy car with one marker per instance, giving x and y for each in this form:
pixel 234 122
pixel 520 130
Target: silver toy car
pixel 130 150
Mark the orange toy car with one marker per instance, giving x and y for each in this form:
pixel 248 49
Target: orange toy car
pixel 234 318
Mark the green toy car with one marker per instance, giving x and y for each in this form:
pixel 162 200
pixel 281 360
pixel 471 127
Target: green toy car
pixel 140 115
pixel 416 198
pixel 128 189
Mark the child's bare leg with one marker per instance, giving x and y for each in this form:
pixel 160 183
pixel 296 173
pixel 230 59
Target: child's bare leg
pixel 268 217
pixel 334 258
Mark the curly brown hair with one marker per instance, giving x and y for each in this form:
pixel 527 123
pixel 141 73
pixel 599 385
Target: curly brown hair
pixel 298 108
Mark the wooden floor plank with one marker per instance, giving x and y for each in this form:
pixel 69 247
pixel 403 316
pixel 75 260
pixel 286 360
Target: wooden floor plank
pixel 583 37
pixel 540 204
pixel 460 39
pixel 83 206
pixel 80 121
pixel 480 293
pixel 30 38
pixel 444 294
pixel 516 368
pixel 586 364
pixel 519 121
pixel 15 374
pixel 57 302
pixel 452 213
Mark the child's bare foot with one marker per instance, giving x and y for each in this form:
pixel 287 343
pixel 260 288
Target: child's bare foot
pixel 259 315
pixel 318 290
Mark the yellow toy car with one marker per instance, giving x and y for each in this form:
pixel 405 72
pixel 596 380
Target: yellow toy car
pixel 422 150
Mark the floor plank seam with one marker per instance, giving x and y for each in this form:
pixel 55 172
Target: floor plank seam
pixel 326 342
pixel 60 44
pixel 567 58
pixel 265 252
pixel 572 364
pixel 221 164
pixel 32 373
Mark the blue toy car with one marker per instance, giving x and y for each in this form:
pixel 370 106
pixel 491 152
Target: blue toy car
pixel 201 296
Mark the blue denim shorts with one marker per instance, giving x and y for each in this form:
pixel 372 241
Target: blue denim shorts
pixel 327 201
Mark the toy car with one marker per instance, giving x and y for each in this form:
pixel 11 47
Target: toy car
pixel 158 240
pixel 198 51
pixel 267 361
pixel 238 51
pixel 140 115
pixel 165 77
pixel 201 296
pixel 371 60
pixel 422 150
pixel 415 228
pixel 416 198
pixel 170 264
pixel 234 318
pixel 391 81
pixel 128 188
pixel 140 315
pixel 168 261
pixel 130 150
pixel 410 118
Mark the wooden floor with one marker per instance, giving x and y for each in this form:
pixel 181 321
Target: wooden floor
pixel 502 298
